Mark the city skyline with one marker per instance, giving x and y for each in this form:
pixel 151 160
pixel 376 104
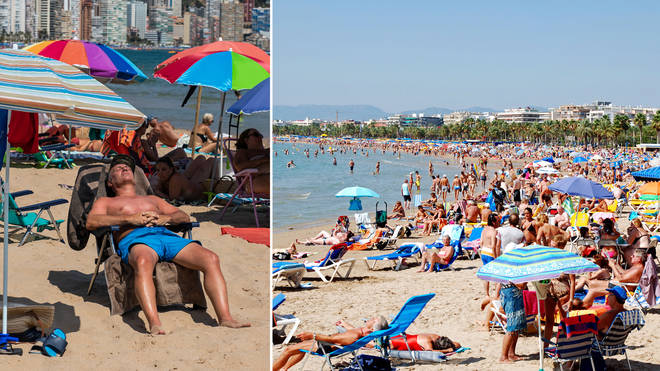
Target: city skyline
pixel 502 55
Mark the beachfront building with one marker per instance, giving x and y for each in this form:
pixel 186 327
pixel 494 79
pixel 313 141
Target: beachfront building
pixel 261 20
pixel 569 112
pixel 12 16
pixel 113 22
pixel 524 115
pixel 456 117
pixel 43 17
pixel 136 18
pixel 161 25
pixel 231 20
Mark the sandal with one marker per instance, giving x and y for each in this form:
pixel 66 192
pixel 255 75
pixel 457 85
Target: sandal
pixel 7 348
pixel 53 345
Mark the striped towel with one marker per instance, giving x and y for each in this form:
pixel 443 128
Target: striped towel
pixel 633 317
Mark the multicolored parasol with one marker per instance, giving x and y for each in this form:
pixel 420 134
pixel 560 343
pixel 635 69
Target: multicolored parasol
pixel 97 60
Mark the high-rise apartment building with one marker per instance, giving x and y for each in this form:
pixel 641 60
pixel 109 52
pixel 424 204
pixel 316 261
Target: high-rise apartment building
pixel 261 20
pixel 161 25
pixel 113 21
pixel 231 20
pixel 137 17
pixel 43 16
pixel 74 12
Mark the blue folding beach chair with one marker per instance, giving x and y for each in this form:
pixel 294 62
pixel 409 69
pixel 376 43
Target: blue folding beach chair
pixel 409 250
pixel 406 316
pixel 471 245
pixel 441 267
pixel 284 319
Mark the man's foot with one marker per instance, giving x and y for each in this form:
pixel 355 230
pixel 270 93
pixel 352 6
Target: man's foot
pixel 232 323
pixel 157 330
pixel 505 360
pixel 514 357
pixel 420 270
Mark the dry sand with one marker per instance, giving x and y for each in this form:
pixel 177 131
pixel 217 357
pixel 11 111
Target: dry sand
pixel 452 312
pixel 47 271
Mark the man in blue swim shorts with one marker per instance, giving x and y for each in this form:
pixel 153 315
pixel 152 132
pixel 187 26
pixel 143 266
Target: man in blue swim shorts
pixel 143 241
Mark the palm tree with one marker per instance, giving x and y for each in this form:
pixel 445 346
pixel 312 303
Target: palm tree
pixel 621 124
pixel 655 124
pixel 640 122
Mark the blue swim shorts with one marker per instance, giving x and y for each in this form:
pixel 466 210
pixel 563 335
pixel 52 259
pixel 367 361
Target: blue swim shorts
pixel 164 242
pixel 486 259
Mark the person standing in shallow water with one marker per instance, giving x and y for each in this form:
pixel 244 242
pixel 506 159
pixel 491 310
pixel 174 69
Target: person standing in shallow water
pixel 377 172
pixel 351 164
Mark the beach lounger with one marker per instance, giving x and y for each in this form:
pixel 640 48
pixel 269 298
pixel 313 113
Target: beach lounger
pixel 243 178
pixel 441 267
pixel 582 330
pixel 409 250
pixel 406 316
pixel 24 217
pixel 364 244
pixel 236 201
pixel 391 240
pixel 284 319
pixel 175 284
pixel 362 221
pixel 613 343
pixel 333 261
pixel 290 272
pixel 471 246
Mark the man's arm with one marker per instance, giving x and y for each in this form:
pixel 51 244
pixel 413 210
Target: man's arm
pixel 344 338
pixel 498 245
pixel 98 217
pixel 170 214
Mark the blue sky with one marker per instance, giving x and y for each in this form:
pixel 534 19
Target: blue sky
pixel 401 55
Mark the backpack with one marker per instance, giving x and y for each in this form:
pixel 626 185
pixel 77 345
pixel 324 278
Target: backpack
pixel 365 362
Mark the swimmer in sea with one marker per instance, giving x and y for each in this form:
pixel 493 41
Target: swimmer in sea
pixel 430 168
pixel 351 164
pixel 334 161
pixel 290 164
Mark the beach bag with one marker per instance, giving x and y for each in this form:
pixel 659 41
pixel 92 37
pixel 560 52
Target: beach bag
pixel 381 218
pixel 365 362
pixel 281 255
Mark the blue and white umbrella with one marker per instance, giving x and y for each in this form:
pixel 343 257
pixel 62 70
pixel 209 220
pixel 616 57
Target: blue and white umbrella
pixel 582 187
pixel 534 263
pixel 356 192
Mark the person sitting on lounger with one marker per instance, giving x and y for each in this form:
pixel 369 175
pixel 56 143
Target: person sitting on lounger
pixel 442 256
pixel 143 240
pixel 436 219
pixel 631 275
pixel 293 354
pixel 615 300
pixel 251 154
pixel 397 211
pixel 421 215
pixel 185 186
pixel 205 136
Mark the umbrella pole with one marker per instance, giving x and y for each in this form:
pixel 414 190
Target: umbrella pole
pixel 218 139
pixel 538 325
pixel 193 136
pixel 5 212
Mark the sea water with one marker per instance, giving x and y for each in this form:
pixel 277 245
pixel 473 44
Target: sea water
pixel 157 97
pixel 304 195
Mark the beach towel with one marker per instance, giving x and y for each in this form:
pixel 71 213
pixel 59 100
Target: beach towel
pixel 568 206
pixel 529 299
pixel 579 325
pixel 252 235
pixel 649 283
pixel 24 131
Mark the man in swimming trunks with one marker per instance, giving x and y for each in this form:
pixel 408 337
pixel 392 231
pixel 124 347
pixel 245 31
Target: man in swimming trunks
pixel 472 212
pixel 308 342
pixel 143 240
pixel 351 164
pixel 444 187
pixel 456 183
pixel 631 275
pixel 405 193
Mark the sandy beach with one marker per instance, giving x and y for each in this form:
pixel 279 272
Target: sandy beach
pixel 452 312
pixel 49 272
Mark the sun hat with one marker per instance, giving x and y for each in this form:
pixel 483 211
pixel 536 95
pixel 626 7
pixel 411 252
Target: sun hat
pixel 620 294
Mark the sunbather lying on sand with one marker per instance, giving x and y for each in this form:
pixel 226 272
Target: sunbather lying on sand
pixel 325 238
pixel 293 355
pixel 143 241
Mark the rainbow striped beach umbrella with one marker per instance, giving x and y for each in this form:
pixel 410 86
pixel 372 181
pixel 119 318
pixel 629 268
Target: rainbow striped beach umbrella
pixel 32 83
pixel 534 263
pixel 97 60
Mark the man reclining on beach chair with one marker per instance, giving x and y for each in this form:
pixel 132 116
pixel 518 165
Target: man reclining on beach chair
pixel 143 241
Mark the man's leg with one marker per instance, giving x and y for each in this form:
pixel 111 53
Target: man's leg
pixel 550 305
pixel 194 256
pixel 292 355
pixel 506 345
pixel 143 259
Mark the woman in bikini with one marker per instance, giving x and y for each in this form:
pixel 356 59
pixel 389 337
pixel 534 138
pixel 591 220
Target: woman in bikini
pixel 185 186
pixel 251 154
pixel 205 136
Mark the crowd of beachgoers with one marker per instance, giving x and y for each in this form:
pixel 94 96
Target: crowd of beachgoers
pixel 504 196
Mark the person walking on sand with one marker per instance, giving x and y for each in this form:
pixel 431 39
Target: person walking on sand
pixel 512 300
pixel 456 183
pixel 405 192
pixel 351 164
pixel 444 187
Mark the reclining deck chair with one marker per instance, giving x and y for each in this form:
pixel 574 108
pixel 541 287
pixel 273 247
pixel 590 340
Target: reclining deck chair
pixel 174 284
pixel 409 250
pixel 406 316
pixel 613 343
pixel 244 178
pixel 290 272
pixel 334 260
pixel 582 331
pixel 369 243
pixel 21 217
pixel 284 319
